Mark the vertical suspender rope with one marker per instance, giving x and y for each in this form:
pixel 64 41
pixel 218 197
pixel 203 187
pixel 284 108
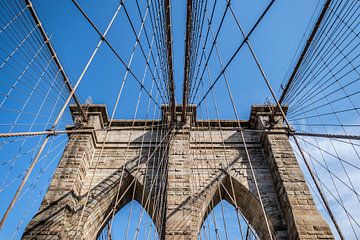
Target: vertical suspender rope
pixel 53 54
pixel 236 51
pixel 323 197
pixel 187 58
pixel 72 93
pixel 169 58
pixel 304 51
pixel 242 138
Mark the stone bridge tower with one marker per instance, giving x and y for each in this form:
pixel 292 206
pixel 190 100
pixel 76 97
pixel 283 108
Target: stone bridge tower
pixel 196 176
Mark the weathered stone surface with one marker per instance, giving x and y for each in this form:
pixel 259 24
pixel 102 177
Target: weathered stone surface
pixel 180 183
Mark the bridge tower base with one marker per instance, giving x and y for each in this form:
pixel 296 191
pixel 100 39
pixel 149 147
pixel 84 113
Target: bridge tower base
pixel 205 161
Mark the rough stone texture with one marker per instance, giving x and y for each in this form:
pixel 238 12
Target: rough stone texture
pixel 205 161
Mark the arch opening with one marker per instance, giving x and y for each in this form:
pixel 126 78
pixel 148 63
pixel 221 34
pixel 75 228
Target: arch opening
pixel 132 221
pixel 113 203
pixel 224 221
pixel 245 206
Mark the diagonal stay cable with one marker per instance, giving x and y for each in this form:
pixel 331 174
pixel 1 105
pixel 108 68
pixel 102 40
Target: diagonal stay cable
pixel 285 119
pixel 103 39
pixel 241 138
pixel 52 51
pixel 110 124
pixel 157 66
pixel 169 40
pixel 188 38
pixel 193 96
pixel 312 35
pixel 196 69
pixel 294 90
pixel 237 51
pixel 137 36
pixel 56 122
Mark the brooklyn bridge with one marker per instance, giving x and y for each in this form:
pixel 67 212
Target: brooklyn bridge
pixel 194 119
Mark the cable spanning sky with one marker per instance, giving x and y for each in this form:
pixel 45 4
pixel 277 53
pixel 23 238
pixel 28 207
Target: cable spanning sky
pixel 130 77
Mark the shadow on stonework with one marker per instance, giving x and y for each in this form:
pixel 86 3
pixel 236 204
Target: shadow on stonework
pixel 235 183
pixel 61 216
pixel 130 222
pixel 225 222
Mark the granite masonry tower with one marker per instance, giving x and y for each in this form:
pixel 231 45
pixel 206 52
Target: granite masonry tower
pixel 201 155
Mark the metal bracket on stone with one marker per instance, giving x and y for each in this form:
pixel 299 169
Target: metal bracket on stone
pixel 262 117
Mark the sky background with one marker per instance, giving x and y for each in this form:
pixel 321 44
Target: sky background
pixel 275 41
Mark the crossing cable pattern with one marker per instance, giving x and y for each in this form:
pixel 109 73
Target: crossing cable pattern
pixel 322 96
pixel 243 226
pixel 160 173
pixel 191 66
pixel 34 91
pixel 30 64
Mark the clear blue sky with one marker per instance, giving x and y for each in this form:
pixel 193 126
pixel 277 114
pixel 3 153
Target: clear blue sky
pixel 275 42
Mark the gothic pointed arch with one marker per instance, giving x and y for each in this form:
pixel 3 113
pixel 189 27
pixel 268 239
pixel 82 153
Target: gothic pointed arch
pixel 132 221
pixel 234 192
pixel 224 221
pixel 110 196
pixel 190 185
